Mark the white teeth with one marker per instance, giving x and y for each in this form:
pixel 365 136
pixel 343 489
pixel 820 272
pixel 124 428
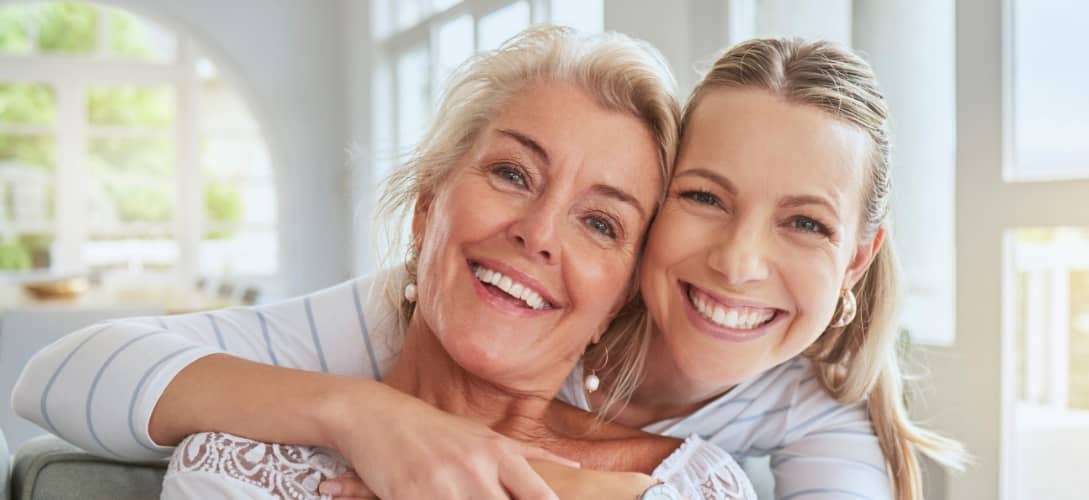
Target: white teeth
pixel 737 318
pixel 511 287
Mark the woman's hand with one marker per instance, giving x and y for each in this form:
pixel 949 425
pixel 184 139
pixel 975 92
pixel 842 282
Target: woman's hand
pixel 403 448
pixel 588 484
pixel 566 483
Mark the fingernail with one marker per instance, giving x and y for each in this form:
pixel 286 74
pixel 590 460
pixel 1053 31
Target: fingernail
pixel 329 488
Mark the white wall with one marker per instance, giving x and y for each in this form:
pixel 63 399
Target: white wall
pixel 285 58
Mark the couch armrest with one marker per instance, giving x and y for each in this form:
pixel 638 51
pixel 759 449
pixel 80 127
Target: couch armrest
pixel 5 468
pixel 47 468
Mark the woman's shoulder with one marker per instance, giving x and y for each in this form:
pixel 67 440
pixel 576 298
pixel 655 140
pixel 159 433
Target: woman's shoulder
pixel 280 470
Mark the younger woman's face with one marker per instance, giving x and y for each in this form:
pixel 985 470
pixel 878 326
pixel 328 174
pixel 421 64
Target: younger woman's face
pixel 757 238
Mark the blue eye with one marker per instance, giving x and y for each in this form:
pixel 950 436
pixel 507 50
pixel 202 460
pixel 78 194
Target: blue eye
pixel 702 197
pixel 602 226
pixel 809 225
pixel 511 175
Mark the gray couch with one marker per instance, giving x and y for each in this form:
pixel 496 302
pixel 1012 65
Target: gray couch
pixel 5 467
pixel 46 468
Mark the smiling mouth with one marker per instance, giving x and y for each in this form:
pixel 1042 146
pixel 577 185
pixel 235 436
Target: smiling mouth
pixel 509 288
pixel 742 318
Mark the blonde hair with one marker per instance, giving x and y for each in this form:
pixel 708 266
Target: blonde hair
pixel 620 73
pixel 862 359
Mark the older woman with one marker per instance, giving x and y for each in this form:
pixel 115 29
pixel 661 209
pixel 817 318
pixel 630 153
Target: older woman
pixel 530 198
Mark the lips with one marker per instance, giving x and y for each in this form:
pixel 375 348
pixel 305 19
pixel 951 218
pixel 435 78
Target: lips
pixel 510 290
pixel 727 318
pixel 511 286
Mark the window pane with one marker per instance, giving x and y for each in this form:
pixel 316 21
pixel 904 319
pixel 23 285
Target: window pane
pixel 830 20
pixel 141 204
pixel 587 16
pixel 136 38
pixel 441 5
pixel 131 156
pixel 140 106
pixel 1050 110
pixel 408 12
pixel 222 209
pixel 1051 360
pixel 497 27
pixel 104 253
pixel 27 199
pixel 28 151
pixel 234 158
pixel 14 35
pixel 27 104
pixel 413 97
pixel 246 253
pixel 454 45
pixel 67 27
pixel 25 252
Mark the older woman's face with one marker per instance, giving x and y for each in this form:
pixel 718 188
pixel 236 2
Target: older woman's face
pixel 758 235
pixel 528 247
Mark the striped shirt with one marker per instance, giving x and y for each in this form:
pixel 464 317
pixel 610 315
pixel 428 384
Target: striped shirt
pixel 97 387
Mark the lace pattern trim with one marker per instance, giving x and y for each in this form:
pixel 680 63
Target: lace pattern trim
pixel 703 471
pixel 285 471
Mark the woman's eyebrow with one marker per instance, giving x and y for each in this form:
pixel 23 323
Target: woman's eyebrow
pixel 528 142
pixel 808 199
pixel 713 177
pixel 621 196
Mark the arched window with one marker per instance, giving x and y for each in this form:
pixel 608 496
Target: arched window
pixel 122 147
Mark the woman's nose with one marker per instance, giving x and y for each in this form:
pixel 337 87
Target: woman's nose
pixel 534 232
pixel 740 256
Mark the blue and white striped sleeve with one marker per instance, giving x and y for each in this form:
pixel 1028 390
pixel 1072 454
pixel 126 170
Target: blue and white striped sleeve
pixel 829 451
pixel 97 387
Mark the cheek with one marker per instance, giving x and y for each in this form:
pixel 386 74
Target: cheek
pixel 812 276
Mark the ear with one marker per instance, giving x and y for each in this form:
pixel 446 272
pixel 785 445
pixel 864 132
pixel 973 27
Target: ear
pixel 865 253
pixel 419 218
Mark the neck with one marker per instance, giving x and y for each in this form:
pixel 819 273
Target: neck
pixel 664 392
pixel 426 371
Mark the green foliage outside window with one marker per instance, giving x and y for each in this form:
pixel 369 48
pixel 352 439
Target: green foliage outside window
pixel 28 150
pixel 222 204
pixel 1079 341
pixel 14 256
pixel 70 27
pixel 13 29
pixel 147 107
pixel 27 104
pixel 129 36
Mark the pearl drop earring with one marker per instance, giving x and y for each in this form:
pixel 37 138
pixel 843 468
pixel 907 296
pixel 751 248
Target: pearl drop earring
pixel 410 292
pixel 592 382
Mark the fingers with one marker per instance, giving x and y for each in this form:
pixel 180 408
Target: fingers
pixel 345 486
pixel 523 482
pixel 535 453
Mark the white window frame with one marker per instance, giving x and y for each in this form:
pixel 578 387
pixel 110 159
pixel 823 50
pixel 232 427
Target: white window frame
pixel 973 396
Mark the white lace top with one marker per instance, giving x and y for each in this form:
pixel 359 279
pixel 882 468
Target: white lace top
pixel 219 465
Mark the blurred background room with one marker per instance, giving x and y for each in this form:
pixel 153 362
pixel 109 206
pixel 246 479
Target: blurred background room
pixel 161 156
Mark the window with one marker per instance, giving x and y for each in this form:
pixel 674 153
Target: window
pixel 1050 114
pixel 421 42
pixel 122 148
pixel 1011 386
pixel 1050 307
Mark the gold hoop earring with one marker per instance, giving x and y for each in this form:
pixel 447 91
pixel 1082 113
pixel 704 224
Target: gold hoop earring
pixel 592 382
pixel 847 307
